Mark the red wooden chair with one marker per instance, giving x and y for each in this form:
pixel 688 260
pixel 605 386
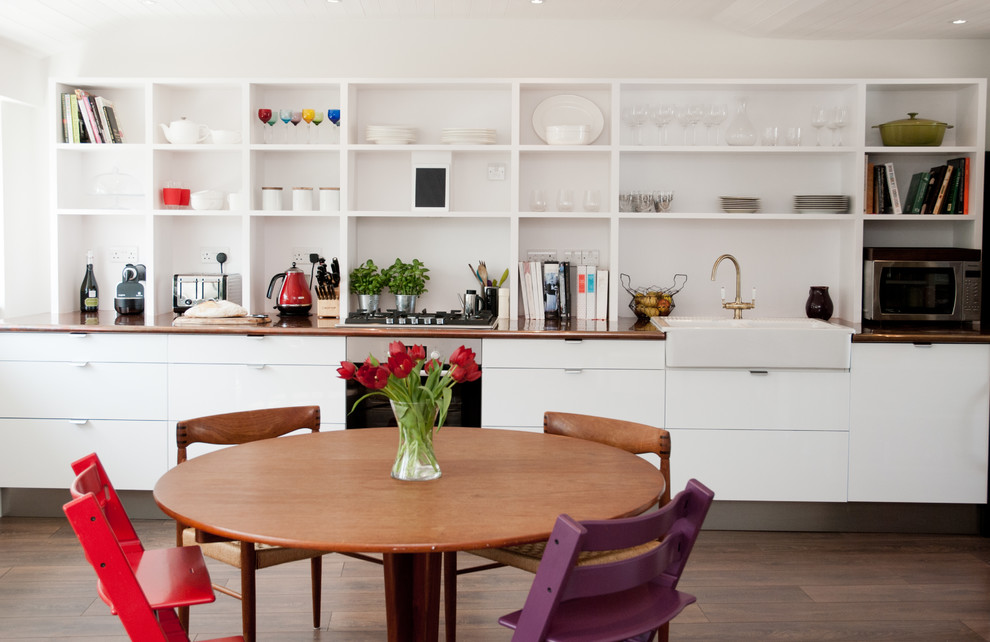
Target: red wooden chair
pixel 142 587
pixel 631 598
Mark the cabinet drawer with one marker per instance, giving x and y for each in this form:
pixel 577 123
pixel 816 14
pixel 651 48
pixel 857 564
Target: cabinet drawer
pixel 566 353
pixel 196 390
pixel 38 452
pixel 519 397
pixel 256 349
pixel 83 390
pixel 81 346
pixel 764 399
pixel 759 465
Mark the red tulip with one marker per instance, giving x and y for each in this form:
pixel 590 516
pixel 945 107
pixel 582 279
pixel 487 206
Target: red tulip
pixel 401 364
pixel 462 356
pixel 373 377
pixel 396 347
pixel 470 372
pixel 417 352
pixel 431 365
pixel 346 370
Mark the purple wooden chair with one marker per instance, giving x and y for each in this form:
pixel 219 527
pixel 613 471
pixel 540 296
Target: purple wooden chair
pixel 630 598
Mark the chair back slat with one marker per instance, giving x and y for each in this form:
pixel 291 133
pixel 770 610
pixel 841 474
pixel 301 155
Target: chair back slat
pixel 636 438
pixel 246 426
pixel 92 478
pixel 117 580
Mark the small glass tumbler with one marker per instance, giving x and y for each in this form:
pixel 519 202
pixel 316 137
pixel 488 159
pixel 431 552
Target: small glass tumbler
pixel 565 200
pixel 538 200
pixel 592 200
pixel 792 137
pixel 770 135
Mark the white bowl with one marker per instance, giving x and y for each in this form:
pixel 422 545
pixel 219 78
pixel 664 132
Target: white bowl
pixel 226 136
pixel 208 199
pixel 568 134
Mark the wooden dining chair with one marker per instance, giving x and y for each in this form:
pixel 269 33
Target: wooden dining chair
pixel 240 428
pixel 142 587
pixel 639 439
pixel 629 598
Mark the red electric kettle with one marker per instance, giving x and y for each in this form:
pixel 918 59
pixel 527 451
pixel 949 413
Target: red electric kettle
pixel 294 299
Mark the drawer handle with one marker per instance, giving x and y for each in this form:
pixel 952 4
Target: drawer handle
pixel 256 337
pixel 78 334
pixel 573 341
pixel 920 344
pixel 79 422
pixel 79 364
pixel 760 373
pixel 255 366
pixel 573 370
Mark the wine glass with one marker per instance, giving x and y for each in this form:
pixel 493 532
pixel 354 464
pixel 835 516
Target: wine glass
pixel 714 116
pixel 317 119
pixel 635 117
pixel 819 118
pixel 334 116
pixel 296 119
pixel 286 116
pixel 308 115
pixel 695 113
pixel 662 115
pixel 264 115
pixel 837 120
pixel 270 132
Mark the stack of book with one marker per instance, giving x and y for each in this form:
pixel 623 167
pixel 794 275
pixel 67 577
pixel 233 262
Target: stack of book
pixel 88 119
pixel 943 189
pixel 557 289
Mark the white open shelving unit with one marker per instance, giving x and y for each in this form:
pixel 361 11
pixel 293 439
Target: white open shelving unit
pixel 781 252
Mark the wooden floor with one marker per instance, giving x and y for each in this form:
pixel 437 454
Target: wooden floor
pixel 750 586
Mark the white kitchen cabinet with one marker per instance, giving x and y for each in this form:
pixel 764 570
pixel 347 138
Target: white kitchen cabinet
pixel 491 217
pixel 210 374
pixel 761 435
pixel 525 378
pixel 920 417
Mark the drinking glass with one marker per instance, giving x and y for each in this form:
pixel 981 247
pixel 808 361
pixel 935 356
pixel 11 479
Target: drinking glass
pixel 308 115
pixel 317 119
pixel 642 202
pixel 635 117
pixel 714 116
pixel 286 116
pixel 695 114
pixel 334 116
pixel 296 119
pixel 538 200
pixel 837 120
pixel 264 115
pixel 592 200
pixel 792 136
pixel 819 118
pixel 565 200
pixel 770 135
pixel 663 200
pixel 625 202
pixel 662 115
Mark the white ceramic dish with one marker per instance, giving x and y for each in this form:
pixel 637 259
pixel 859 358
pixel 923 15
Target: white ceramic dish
pixel 568 109
pixel 226 136
pixel 568 134
pixel 206 200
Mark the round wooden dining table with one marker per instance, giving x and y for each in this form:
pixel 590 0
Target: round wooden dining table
pixel 332 491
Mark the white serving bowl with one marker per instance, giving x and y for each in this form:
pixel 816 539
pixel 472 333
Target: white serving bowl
pixel 208 199
pixel 226 136
pixel 568 134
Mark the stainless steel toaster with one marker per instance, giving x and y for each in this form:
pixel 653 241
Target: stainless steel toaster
pixel 190 289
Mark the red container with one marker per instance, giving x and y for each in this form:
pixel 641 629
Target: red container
pixel 175 197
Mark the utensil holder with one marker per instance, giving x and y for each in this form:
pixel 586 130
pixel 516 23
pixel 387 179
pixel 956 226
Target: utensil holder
pixel 328 308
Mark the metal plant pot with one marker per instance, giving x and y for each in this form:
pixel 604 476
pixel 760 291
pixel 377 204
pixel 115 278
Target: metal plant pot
pixel 405 302
pixel 368 302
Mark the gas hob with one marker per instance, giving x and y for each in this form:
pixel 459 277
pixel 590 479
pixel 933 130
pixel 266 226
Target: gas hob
pixel 419 320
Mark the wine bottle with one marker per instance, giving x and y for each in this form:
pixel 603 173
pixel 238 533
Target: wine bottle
pixel 89 292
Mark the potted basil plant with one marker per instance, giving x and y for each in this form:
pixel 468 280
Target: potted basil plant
pixel 367 282
pixel 406 281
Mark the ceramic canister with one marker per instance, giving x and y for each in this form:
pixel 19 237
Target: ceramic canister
pixel 329 199
pixel 302 199
pixel 271 198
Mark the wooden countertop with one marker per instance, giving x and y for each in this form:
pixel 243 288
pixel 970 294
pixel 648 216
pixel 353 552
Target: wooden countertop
pixel 626 328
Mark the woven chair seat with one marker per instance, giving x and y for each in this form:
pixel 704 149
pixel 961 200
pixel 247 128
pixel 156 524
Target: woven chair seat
pixel 528 556
pixel 229 552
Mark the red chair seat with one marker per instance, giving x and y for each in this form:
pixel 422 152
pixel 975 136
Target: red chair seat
pixel 170 578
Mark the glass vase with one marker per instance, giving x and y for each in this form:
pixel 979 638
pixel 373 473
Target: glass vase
pixel 819 304
pixel 740 131
pixel 415 460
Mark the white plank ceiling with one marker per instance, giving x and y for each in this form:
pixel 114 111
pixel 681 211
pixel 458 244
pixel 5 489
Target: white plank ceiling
pixel 48 26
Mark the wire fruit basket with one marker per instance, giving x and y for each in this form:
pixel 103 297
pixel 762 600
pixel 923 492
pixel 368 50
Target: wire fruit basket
pixel 654 300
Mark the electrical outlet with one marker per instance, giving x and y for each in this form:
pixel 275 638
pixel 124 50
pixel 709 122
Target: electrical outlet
pixel 209 254
pixel 589 257
pixel 496 171
pixel 124 254
pixel 541 255
pixel 300 255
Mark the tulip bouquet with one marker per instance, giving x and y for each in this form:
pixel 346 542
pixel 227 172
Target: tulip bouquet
pixel 420 405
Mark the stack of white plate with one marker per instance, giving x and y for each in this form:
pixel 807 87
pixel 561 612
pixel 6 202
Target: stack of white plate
pixel 390 134
pixel 740 204
pixel 467 136
pixel 821 204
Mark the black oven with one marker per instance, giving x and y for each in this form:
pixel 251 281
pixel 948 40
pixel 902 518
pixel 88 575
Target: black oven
pixel 375 411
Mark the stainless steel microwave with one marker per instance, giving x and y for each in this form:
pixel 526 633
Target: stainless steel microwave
pixel 921 285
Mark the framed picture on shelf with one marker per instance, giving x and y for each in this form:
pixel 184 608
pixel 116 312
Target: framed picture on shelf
pixel 431 186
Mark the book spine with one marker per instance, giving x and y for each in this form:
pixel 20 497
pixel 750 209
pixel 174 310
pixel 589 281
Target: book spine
pixel 523 288
pixel 74 102
pixel 592 293
pixel 87 115
pixel 582 292
pixel 912 193
pixel 895 196
pixel 551 290
pixel 99 108
pixel 965 206
pixel 943 188
pixel 919 199
pixel 869 205
pixel 601 300
pixel 564 281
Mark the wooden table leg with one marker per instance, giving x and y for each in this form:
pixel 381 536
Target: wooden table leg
pixel 412 596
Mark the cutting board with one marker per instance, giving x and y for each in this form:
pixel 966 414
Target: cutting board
pixel 181 321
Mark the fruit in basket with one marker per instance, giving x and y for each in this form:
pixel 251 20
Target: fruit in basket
pixel 664 304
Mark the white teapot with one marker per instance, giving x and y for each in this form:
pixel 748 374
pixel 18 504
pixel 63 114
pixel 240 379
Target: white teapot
pixel 185 132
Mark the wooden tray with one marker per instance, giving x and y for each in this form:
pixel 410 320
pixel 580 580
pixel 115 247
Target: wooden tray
pixel 181 321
